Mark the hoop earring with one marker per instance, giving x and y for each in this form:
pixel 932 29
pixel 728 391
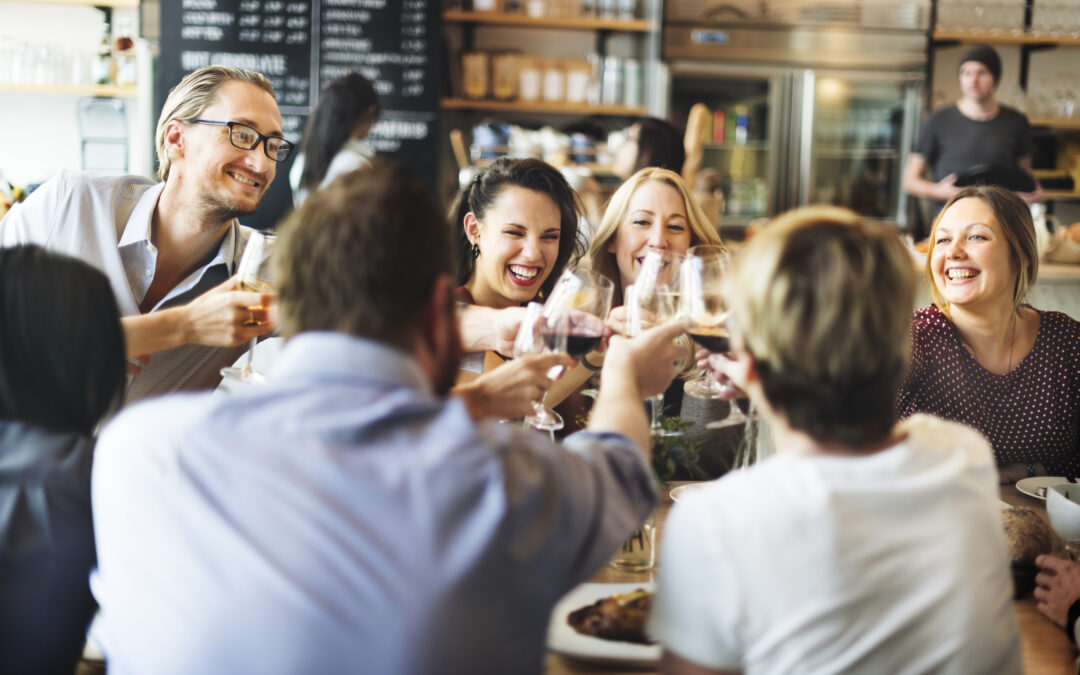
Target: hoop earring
pixel 475 251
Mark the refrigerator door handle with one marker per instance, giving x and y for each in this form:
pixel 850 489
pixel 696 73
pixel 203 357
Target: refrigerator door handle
pixel 804 166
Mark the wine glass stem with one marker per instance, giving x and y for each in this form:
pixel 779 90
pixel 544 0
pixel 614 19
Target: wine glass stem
pixel 655 403
pixel 250 367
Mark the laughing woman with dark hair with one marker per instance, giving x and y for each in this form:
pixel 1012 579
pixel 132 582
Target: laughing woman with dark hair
pixel 516 229
pixel 61 373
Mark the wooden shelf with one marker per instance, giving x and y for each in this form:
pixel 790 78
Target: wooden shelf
pixel 1005 38
pixel 751 145
pixel 566 23
pixel 1055 123
pixel 104 90
pixel 1062 195
pixel 854 153
pixel 130 4
pixel 544 107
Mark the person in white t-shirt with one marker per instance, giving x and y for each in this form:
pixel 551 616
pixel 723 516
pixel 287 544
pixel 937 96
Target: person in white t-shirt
pixel 863 545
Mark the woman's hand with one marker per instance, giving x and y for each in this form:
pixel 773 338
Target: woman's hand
pixel 725 369
pixel 616 321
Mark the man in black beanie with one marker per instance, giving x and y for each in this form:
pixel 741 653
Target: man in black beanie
pixel 976 140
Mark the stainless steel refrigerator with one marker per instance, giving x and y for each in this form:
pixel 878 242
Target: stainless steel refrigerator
pixel 810 103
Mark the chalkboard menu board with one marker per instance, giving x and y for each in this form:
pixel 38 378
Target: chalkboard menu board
pixel 301 45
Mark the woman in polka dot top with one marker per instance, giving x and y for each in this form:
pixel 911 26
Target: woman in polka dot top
pixel 980 355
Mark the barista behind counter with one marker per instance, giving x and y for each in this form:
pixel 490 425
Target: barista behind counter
pixel 976 140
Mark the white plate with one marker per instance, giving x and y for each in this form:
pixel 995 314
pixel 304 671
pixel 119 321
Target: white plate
pixel 681 491
pixel 1029 485
pixel 562 639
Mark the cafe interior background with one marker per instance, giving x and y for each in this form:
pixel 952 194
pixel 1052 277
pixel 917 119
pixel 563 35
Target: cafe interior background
pixel 790 121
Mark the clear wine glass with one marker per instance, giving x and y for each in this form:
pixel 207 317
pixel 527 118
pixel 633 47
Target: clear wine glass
pixel 530 341
pixel 651 301
pixel 254 275
pixel 702 303
pixel 572 319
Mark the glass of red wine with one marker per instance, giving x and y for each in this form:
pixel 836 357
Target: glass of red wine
pixel 571 321
pixel 703 304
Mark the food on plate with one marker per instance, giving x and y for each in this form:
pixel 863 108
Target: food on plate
pixel 1074 232
pixel 922 246
pixel 616 617
pixel 1027 535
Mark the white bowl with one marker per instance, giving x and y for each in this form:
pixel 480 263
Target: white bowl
pixel 1063 508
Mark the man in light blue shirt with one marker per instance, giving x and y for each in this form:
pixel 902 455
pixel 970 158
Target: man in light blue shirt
pixel 348 516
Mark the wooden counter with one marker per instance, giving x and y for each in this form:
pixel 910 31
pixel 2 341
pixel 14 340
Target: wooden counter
pixel 1046 648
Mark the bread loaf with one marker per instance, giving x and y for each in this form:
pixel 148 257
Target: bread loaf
pixel 1028 536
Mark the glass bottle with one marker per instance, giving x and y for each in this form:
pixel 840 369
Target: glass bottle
pixel 124 53
pixel 101 67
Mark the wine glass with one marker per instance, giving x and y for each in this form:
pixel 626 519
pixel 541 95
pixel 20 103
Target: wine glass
pixel 652 300
pixel 703 304
pixel 572 319
pixel 573 315
pixel 530 341
pixel 254 275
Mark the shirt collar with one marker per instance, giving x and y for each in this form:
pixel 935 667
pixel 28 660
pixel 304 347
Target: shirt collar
pixel 361 147
pixel 324 356
pixel 137 228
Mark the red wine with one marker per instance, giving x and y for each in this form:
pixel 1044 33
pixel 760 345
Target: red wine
pixel 715 339
pixel 576 345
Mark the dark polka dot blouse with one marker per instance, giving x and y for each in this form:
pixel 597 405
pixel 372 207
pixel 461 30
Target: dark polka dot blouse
pixel 1029 415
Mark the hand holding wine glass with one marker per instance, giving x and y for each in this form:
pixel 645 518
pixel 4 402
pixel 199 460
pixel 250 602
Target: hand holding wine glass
pixel 254 275
pixel 571 322
pixel 652 300
pixel 530 341
pixel 705 308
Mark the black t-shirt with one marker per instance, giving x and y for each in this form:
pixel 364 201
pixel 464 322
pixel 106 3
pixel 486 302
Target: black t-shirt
pixel 951 142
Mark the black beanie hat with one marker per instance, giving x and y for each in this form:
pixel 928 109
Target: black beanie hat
pixel 985 55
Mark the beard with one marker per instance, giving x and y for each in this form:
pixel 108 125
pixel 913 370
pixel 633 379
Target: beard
pixel 218 209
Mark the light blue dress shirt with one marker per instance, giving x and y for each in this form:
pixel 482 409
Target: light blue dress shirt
pixel 342 518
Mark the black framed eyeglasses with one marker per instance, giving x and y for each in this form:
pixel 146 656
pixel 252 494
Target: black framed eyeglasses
pixel 244 137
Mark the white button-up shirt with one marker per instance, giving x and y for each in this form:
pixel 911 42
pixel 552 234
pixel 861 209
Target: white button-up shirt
pixel 105 221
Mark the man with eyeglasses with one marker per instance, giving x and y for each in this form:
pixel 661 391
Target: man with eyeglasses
pixel 171 248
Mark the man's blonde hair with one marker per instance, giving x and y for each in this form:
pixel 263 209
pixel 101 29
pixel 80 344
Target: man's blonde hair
pixel 195 93
pixel 823 302
pixel 603 261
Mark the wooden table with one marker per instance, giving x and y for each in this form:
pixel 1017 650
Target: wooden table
pixel 1046 648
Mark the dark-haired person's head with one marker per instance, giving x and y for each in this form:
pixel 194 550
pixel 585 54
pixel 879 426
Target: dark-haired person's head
pixel 821 303
pixel 650 142
pixel 369 256
pixel 515 228
pixel 62 360
pixel 347 108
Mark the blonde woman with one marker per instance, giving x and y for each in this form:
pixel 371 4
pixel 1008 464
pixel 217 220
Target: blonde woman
pixel 654 209
pixel 863 543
